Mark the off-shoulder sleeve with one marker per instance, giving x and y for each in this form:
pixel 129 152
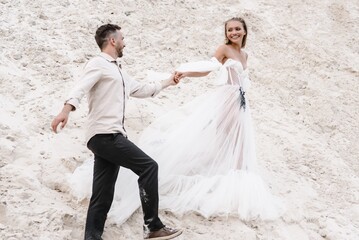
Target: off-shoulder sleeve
pixel 200 66
pixel 212 65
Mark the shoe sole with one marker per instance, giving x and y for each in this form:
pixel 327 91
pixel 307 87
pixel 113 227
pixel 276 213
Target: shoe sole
pixel 176 234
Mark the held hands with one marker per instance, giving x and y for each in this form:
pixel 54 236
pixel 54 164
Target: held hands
pixel 173 80
pixel 178 76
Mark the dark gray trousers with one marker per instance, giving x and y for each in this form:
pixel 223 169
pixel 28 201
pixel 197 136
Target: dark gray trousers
pixel 112 151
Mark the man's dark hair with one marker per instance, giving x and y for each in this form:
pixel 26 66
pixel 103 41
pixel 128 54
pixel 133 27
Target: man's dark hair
pixel 103 32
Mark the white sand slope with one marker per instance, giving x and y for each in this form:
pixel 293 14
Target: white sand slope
pixel 304 64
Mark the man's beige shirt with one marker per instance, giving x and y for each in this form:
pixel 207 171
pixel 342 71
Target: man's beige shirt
pixel 107 88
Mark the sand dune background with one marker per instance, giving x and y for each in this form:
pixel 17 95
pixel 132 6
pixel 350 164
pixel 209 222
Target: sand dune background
pixel 304 64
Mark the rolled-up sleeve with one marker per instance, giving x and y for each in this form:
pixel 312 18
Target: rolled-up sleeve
pixel 91 75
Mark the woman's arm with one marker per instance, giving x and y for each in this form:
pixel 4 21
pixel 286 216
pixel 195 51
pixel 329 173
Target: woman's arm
pixel 220 55
pixel 191 74
pixel 180 75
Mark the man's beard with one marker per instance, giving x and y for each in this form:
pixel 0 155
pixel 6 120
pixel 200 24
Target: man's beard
pixel 120 53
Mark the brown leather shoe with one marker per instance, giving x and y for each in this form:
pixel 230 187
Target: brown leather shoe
pixel 163 234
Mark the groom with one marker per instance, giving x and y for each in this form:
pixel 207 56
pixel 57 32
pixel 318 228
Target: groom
pixel 108 87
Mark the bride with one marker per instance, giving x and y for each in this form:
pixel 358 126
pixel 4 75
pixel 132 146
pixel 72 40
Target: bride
pixel 205 150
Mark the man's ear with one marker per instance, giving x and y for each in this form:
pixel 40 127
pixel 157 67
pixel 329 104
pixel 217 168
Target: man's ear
pixel 112 41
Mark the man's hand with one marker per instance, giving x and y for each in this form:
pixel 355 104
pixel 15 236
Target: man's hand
pixel 170 81
pixel 62 117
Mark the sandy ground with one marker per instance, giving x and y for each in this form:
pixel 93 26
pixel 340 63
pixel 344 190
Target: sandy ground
pixel 303 60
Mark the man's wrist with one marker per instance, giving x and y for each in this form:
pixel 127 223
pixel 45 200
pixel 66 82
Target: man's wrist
pixel 166 83
pixel 68 108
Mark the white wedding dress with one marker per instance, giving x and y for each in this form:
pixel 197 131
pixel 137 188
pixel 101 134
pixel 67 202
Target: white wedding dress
pixel 206 156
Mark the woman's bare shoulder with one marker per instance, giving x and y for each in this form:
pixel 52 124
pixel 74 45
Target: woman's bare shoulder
pixel 223 48
pixel 221 52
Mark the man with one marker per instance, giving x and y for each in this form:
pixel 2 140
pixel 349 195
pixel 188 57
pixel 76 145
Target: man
pixel 108 88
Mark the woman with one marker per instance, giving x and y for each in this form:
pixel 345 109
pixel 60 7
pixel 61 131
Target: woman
pixel 208 161
pixel 205 150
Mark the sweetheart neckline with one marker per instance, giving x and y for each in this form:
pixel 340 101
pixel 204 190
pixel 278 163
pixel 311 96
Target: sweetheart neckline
pixel 244 69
